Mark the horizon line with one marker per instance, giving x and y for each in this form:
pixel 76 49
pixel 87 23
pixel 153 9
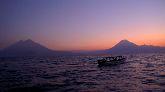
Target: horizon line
pixel 76 50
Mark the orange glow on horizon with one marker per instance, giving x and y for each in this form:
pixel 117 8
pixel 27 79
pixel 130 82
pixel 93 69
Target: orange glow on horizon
pixel 106 45
pixel 140 34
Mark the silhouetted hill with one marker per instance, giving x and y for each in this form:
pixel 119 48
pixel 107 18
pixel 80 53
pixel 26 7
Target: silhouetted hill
pixel 29 48
pixel 125 43
pixel 127 47
pixel 151 49
pixel 124 46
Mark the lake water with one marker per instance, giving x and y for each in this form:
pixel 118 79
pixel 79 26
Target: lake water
pixel 139 73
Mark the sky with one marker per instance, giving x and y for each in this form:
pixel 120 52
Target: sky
pixel 82 24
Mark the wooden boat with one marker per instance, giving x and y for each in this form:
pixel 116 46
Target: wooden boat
pixel 109 61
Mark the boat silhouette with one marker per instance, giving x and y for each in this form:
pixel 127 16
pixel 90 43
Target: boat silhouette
pixel 110 61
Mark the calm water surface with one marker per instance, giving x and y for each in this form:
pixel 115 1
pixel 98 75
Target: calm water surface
pixel 139 73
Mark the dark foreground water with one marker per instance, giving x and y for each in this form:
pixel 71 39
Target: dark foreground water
pixel 140 73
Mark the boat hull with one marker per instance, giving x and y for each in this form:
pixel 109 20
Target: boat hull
pixel 110 63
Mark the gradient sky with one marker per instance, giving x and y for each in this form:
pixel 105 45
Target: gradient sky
pixel 82 24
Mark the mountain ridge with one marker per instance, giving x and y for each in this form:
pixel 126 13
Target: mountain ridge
pixel 30 48
pixel 127 47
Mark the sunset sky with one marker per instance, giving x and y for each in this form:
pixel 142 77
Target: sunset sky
pixel 82 24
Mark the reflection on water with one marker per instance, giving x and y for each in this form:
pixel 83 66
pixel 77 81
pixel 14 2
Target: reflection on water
pixel 140 73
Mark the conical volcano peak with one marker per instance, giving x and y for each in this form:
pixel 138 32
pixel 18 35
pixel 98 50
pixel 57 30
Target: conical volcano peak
pixel 125 40
pixel 29 40
pixel 125 43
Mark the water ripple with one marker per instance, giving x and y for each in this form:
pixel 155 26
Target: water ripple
pixel 140 73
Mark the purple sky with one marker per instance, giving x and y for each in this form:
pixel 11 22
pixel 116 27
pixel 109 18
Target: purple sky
pixel 82 24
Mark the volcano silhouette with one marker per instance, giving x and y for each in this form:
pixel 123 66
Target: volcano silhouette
pixel 29 48
pixel 127 47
